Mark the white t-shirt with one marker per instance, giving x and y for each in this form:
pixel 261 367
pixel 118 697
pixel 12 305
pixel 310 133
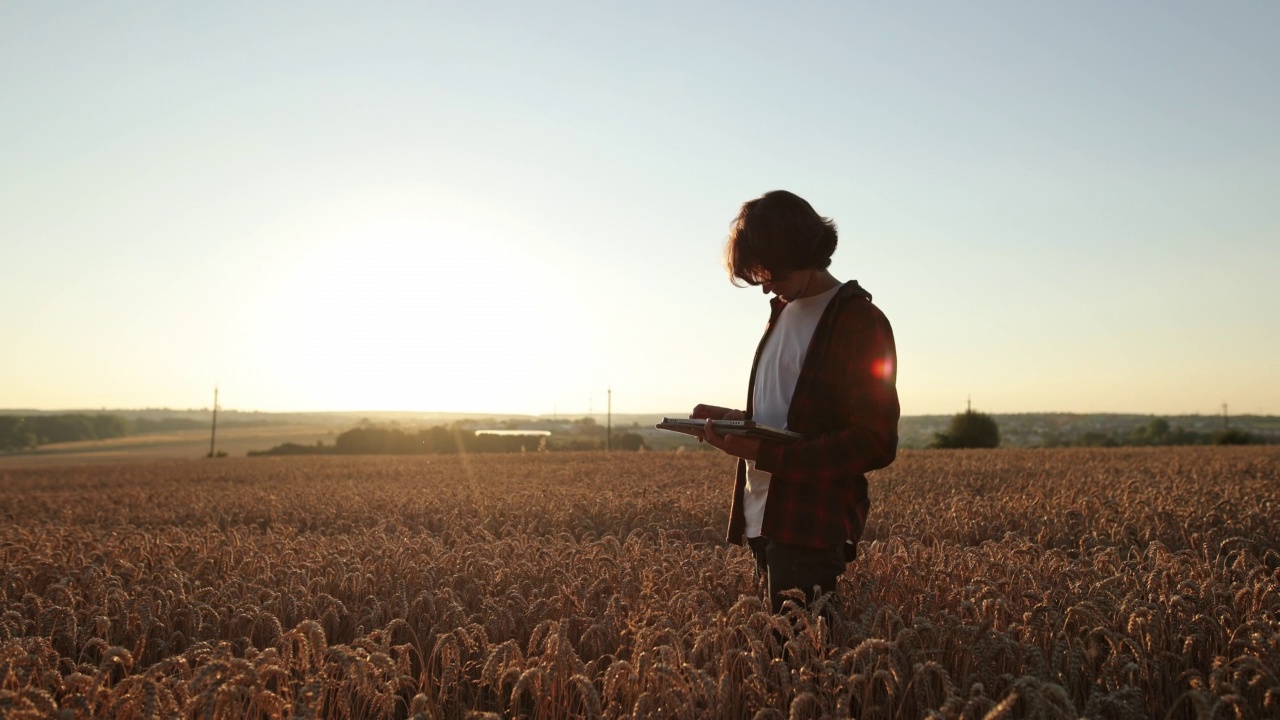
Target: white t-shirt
pixel 780 361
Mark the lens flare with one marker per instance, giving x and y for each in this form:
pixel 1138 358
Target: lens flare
pixel 882 368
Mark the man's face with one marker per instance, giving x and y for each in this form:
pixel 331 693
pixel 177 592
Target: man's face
pixel 788 286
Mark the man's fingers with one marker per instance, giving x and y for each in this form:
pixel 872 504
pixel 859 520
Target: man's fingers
pixel 715 412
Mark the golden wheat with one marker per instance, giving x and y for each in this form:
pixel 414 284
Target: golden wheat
pixel 1131 583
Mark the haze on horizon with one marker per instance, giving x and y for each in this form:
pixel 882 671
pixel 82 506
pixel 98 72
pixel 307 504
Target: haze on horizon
pixel 503 208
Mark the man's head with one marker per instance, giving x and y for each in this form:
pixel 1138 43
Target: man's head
pixel 775 235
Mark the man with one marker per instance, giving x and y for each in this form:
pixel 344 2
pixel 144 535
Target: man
pixel 826 367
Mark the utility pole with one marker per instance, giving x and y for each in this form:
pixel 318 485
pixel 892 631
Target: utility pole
pixel 1226 425
pixel 608 437
pixel 213 434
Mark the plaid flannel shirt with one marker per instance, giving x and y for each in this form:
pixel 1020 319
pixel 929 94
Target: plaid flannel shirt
pixel 846 406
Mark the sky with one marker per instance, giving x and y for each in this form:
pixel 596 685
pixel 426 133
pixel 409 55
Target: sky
pixel 514 207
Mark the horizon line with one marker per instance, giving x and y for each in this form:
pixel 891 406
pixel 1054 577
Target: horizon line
pixel 557 414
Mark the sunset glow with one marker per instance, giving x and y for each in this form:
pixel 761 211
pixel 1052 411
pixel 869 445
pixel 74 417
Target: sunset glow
pixel 514 207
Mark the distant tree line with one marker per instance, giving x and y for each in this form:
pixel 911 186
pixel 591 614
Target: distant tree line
pixel 384 440
pixel 26 432
pixel 972 429
pixel 23 432
pixel 1157 432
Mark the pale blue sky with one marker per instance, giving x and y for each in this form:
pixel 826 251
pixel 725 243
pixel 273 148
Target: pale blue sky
pixel 509 207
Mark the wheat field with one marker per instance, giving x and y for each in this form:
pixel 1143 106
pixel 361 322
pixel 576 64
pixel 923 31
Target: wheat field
pixel 1122 583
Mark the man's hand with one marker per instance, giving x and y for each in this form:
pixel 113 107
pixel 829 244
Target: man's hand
pixel 715 412
pixel 747 448
pixel 735 445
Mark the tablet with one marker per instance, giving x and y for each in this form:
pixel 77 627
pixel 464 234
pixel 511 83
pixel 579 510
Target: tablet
pixel 749 428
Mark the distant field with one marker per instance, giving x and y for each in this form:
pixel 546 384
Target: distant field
pixel 1004 584
pixel 235 441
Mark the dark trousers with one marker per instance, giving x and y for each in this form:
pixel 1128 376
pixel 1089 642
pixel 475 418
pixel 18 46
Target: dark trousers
pixel 795 567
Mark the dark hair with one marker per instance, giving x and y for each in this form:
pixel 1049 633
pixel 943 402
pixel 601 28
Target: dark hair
pixel 775 234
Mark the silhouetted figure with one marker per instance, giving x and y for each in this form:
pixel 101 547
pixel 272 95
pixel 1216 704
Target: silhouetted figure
pixel 826 367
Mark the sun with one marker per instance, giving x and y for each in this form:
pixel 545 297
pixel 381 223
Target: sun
pixel 422 319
